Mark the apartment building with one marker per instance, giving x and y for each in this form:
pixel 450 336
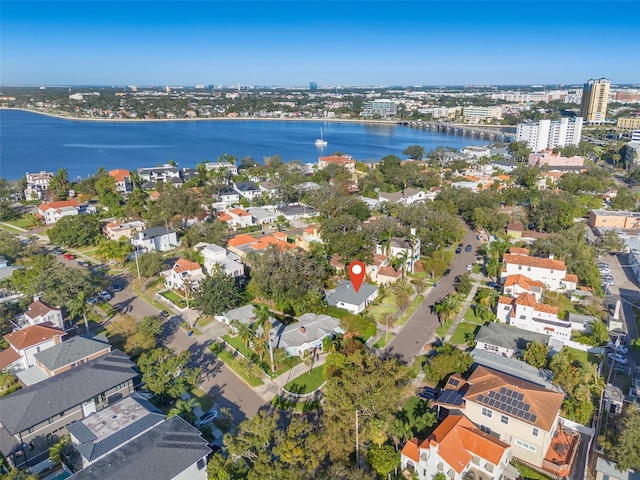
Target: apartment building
pixel 382 107
pixel 595 97
pixel 526 313
pixel 629 123
pixel 474 113
pixel 550 272
pixel 548 134
pixel 614 219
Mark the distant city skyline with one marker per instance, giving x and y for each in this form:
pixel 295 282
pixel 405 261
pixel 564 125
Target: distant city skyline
pixel 355 43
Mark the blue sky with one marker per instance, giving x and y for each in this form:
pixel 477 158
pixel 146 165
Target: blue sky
pixel 329 42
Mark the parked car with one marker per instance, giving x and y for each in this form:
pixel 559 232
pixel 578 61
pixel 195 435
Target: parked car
pixel 117 287
pixel 604 271
pixel 69 256
pixel 92 300
pixel 492 285
pixel 468 248
pixel 616 357
pixel 58 251
pixel 603 265
pixel 447 272
pixel 469 267
pixel 106 296
pixel 426 393
pixel 610 282
pixel 459 249
pixel 206 418
pixel 84 264
pixel 619 349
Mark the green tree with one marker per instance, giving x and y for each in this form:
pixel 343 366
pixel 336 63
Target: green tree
pixel 79 307
pixel 15 474
pixel 416 152
pixel 113 250
pixel 447 360
pixel 167 374
pixel 60 185
pixel 10 247
pixel 536 354
pixel 56 453
pixel 150 263
pixel 447 307
pixel 383 459
pixel 218 293
pixel 464 284
pixel 9 383
pixel 625 451
pixel 360 382
pixel 184 409
pixel 7 212
pixel 263 320
pixel 76 231
pixel 599 332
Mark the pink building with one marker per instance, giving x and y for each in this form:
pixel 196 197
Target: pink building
pixel 547 157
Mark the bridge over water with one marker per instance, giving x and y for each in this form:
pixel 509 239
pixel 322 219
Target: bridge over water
pixel 503 133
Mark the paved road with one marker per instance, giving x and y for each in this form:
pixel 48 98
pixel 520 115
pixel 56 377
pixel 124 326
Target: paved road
pixel 419 329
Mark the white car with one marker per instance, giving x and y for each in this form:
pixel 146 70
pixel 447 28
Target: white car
pixel 469 267
pixel 206 418
pixel 619 349
pixel 106 296
pixel 616 357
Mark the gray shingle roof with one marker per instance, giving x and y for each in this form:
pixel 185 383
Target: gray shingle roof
pixel 506 336
pixel 346 293
pixel 155 232
pixel 37 403
pixel 69 351
pixel 159 454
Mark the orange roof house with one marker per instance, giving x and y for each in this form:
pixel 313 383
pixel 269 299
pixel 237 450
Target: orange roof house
pixel 120 175
pixel 550 272
pixel 456 445
pixel 185 265
pixel 26 342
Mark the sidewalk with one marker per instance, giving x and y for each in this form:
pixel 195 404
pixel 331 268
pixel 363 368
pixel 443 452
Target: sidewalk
pixel 477 277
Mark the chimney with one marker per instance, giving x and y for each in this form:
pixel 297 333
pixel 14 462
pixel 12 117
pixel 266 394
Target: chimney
pixel 551 256
pixel 36 298
pixel 303 329
pixel 413 231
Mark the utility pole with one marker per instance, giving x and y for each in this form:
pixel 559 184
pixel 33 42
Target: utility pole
pixel 138 269
pixel 357 442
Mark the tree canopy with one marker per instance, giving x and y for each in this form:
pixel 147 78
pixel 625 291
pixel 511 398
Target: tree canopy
pixel 76 231
pixel 218 293
pixel 167 374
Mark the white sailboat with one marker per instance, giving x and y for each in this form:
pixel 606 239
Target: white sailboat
pixel 321 142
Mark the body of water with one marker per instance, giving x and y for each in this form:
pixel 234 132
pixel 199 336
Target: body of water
pixel 30 142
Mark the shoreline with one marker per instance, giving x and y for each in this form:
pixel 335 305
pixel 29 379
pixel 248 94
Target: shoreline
pixel 201 119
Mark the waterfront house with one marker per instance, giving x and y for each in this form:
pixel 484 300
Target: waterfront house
pixel 345 161
pixel 122 178
pixel 248 190
pixel 163 173
pixel 550 272
pixel 37 183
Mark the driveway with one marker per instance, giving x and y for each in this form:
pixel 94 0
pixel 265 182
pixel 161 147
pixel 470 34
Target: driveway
pixel 419 329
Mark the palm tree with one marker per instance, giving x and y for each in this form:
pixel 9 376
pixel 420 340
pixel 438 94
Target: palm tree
pixel 403 257
pixel 498 248
pixel 184 409
pixel 55 450
pixel 79 306
pixel 262 315
pixel 244 332
pixel 493 267
pixel 387 239
pixel 484 312
pixel 447 307
pixel 487 297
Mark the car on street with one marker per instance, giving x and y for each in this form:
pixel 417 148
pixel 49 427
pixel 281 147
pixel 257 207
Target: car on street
pixel 492 285
pixel 469 267
pixel 609 282
pixel 84 264
pixel 603 265
pixel 58 251
pixel 447 272
pixel 206 418
pixel 69 256
pixel 117 287
pixel 619 349
pixel 616 357
pixel 604 271
pixel 106 296
pixel 426 393
pixel 468 248
pixel 459 248
pixel 92 300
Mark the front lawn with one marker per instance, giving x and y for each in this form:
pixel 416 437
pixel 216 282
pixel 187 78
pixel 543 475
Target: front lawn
pixel 204 400
pixel 230 361
pixel 441 331
pixel 415 303
pixel 470 316
pixel 307 382
pixel 22 223
pixel 174 298
pixel 463 328
pixel 238 344
pixel 561 301
pixel 586 357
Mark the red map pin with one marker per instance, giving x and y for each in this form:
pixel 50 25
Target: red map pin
pixel 356 274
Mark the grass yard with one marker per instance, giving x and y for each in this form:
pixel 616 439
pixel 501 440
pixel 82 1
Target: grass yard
pixel 307 382
pixel 586 357
pixel 22 223
pixel 382 341
pixel 459 336
pixel 561 301
pixel 229 360
pixel 476 269
pixel 205 401
pixel 470 316
pixel 174 298
pixel 298 407
pixel 410 311
pixel 529 473
pixel 204 321
pixel 238 344
pixel 9 228
pixel 442 329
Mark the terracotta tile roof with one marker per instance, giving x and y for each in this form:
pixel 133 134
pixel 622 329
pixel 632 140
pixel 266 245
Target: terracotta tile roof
pixel 515 227
pixel 570 277
pixel 336 262
pixel 505 300
pixel 224 217
pixel 37 309
pixel 7 357
pixel 523 281
pixel 32 335
pixel 340 160
pixel 457 431
pixel 378 259
pixel 185 265
pixel 242 239
pixel 240 212
pixel 119 174
pixel 534 262
pixel 279 235
pixel 154 195
pixel 61 204
pixel 545 404
pixel 503 177
pixel 526 299
pixel 389 272
pixel 411 451
pixel 543 307
pixel 518 250
pixel 114 224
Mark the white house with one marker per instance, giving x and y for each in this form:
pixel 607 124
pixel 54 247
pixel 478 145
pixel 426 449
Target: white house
pixel 248 190
pixel 38 312
pixel 458 450
pixel 345 296
pixel 236 218
pixel 408 196
pixel 262 216
pixel 550 272
pixel 51 212
pixel 159 239
pixel 526 313
pixel 164 173
pixel 306 334
pixel 399 247
pixel 122 178
pixel 117 230
pixel 515 285
pixel 25 343
pixel 37 183
pixel 505 340
pixel 215 256
pixel 184 274
pixel 227 196
pixel 230 168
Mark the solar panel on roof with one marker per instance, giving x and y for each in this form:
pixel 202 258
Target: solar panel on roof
pixel 454 382
pixel 451 397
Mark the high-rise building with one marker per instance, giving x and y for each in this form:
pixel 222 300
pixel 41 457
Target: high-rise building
pixel 382 107
pixel 550 134
pixel 313 86
pixel 595 96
